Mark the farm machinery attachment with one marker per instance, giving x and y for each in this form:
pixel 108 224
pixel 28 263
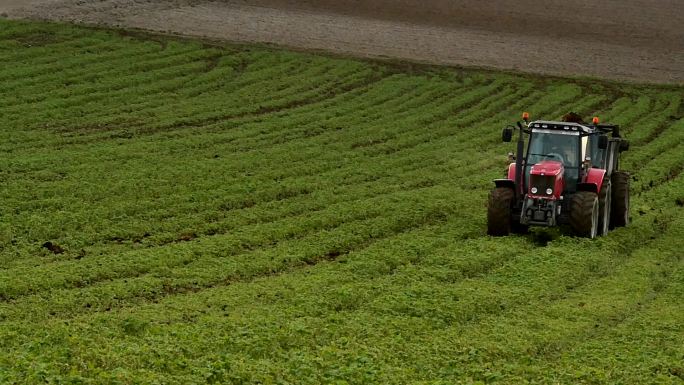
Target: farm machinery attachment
pixel 568 174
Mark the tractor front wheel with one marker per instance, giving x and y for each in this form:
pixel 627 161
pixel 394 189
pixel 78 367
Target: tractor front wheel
pixel 499 211
pixel 620 209
pixel 584 214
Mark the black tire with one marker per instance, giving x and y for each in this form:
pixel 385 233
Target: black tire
pixel 619 216
pixel 499 211
pixel 584 214
pixel 605 199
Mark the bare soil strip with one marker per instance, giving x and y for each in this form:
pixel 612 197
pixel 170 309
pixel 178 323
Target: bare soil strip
pixel 632 40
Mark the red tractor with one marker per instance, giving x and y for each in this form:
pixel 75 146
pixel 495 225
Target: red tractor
pixel 569 175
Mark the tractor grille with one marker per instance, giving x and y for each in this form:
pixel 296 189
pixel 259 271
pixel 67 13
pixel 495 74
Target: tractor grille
pixel 542 183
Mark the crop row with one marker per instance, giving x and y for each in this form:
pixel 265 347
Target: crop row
pixel 252 215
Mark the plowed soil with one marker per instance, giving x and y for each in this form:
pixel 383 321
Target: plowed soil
pixel 634 40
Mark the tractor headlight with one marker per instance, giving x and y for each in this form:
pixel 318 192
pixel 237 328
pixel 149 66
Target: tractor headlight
pixel 549 191
pixel 534 190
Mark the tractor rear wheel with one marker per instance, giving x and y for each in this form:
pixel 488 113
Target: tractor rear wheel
pixel 605 197
pixel 619 216
pixel 499 211
pixel 584 214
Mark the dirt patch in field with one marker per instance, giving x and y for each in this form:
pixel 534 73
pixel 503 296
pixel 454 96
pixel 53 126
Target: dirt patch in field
pixel 634 40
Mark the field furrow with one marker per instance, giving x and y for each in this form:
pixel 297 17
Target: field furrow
pixel 183 212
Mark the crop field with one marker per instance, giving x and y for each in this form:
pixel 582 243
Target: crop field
pixel 180 212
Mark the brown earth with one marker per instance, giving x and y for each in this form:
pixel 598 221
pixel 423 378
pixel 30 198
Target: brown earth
pixel 634 40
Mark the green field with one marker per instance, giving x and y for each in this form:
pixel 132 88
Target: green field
pixel 238 215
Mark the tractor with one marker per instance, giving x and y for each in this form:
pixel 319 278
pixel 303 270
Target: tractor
pixel 568 176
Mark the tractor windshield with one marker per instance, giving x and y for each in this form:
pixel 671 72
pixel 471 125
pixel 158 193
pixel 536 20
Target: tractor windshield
pixel 553 146
pixel 562 147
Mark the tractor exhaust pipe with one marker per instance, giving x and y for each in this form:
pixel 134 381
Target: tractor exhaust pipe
pixel 519 162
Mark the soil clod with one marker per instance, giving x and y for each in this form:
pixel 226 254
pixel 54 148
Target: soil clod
pixel 53 247
pixel 187 236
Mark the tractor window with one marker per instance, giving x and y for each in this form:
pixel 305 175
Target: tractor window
pixel 551 146
pixel 561 147
pixel 598 156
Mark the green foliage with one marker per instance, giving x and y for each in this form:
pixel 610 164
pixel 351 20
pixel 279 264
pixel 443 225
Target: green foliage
pixel 241 215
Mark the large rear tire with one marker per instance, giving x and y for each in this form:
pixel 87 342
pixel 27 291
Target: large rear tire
pixel 499 211
pixel 619 216
pixel 605 198
pixel 584 214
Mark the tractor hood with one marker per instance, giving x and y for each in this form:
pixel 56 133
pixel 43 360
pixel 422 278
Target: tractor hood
pixel 547 168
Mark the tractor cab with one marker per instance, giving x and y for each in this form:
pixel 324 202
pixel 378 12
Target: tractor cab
pixel 563 176
pixel 556 146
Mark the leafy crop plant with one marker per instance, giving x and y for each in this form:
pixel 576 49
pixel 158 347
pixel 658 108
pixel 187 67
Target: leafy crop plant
pixel 236 214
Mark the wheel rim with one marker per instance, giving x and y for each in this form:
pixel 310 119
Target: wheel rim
pixel 594 219
pixel 606 212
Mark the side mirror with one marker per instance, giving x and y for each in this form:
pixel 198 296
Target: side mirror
pixel 507 134
pixel 616 132
pixel 624 145
pixel 602 142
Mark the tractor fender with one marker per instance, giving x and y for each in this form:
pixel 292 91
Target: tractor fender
pixel 594 180
pixel 505 183
pixel 511 171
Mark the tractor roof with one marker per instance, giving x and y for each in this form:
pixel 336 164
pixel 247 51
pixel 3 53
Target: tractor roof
pixel 561 126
